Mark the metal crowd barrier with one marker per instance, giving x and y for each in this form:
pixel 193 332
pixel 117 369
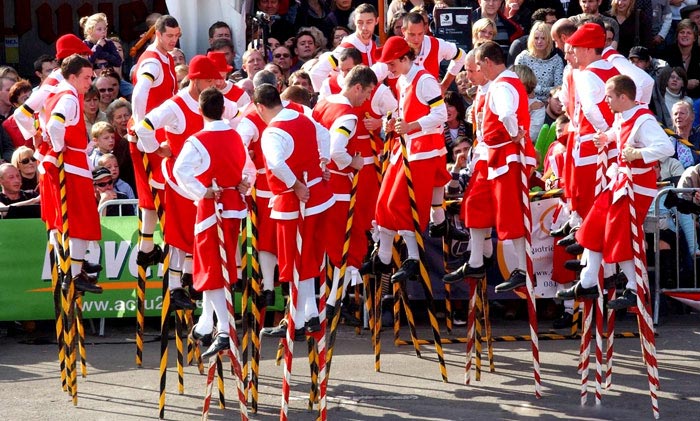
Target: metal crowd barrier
pixel 651 224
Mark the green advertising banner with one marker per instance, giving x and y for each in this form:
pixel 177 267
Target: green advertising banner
pixel 25 272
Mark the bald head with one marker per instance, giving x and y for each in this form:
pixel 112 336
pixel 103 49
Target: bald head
pixel 561 31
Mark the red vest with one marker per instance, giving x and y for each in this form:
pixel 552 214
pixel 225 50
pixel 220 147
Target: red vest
pixel 167 88
pixel 234 93
pixel 431 63
pixel 571 107
pixel 585 126
pixel 494 131
pixel 333 84
pixel 326 113
pixel 413 109
pixel 75 137
pixel 227 157
pixel 354 42
pixel 195 123
pixel 304 158
pixel 627 129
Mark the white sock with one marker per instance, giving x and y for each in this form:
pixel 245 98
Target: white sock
pixel 149 219
pixel 177 261
pixel 330 300
pixel 628 269
pixel 437 212
pixel 409 237
pixel 218 302
pixel 386 245
pixel 476 258
pixel 205 324
pixel 589 274
pixel 78 248
pixel 187 267
pixel 306 289
pixel 268 261
pixel 310 308
pixel 488 245
pixel 519 246
pixel 608 269
pixel 568 304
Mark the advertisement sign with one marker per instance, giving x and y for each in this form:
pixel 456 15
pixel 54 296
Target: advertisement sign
pixel 454 24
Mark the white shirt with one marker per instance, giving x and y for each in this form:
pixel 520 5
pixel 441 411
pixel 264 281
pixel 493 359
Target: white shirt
pixel 68 107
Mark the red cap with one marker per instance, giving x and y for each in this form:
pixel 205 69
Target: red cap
pixel 69 44
pixel 201 67
pixel 588 35
pixel 219 60
pixel 395 47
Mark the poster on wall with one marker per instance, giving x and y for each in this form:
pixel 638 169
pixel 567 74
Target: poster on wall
pixel 454 24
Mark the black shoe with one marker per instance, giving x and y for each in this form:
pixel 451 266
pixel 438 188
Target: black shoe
pixel 268 297
pixel 610 281
pixel 563 231
pixel 627 299
pixel 568 240
pixel 458 234
pixel 83 284
pixel 409 270
pixel 489 261
pixel 367 268
pixel 517 279
pixel 205 339
pixel 350 319
pixel 464 271
pixel 279 331
pixel 574 249
pixel 313 325
pixel 578 291
pixel 91 268
pixel 565 321
pixel 186 280
pixel 180 299
pixel 573 265
pixel 299 335
pixel 439 230
pixel 330 312
pixel 220 343
pixel 150 258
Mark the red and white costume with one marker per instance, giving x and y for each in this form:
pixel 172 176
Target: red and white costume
pixel 420 101
pixel 642 80
pixel 591 114
pixel 154 82
pixel 216 152
pixel 236 95
pixel 293 145
pixel 66 132
pixel 180 118
pixel 505 111
pixel 606 229
pixel 328 62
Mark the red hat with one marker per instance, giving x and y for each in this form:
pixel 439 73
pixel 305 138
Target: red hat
pixel 395 47
pixel 69 44
pixel 219 60
pixel 588 35
pixel 201 67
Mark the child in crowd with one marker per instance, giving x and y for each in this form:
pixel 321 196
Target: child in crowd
pixel 102 135
pixel 109 161
pixel 95 31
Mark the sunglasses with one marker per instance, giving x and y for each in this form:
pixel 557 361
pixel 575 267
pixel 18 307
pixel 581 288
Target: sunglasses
pixel 102 65
pixel 26 161
pixel 103 90
pixel 104 184
pixel 281 55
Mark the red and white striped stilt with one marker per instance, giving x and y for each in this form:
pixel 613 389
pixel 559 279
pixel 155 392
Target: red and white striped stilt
pixel 586 348
pixel 599 312
pixel 609 354
pixel 531 305
pixel 471 283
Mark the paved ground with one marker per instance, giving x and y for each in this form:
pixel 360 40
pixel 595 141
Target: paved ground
pixel 407 387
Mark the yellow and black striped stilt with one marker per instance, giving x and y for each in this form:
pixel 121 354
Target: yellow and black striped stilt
pixel 478 330
pixel 427 287
pixel 258 313
pixel 313 367
pixel 140 301
pixel 245 287
pixel 220 381
pixel 179 321
pixel 81 335
pixel 57 293
pixel 403 299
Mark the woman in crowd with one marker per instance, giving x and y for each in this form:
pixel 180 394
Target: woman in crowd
pixel 19 92
pixel 395 26
pixel 456 125
pixel 91 108
pixel 337 35
pixel 178 56
pixel 685 53
pixel 483 29
pixel 635 29
pixel 542 59
pixel 23 159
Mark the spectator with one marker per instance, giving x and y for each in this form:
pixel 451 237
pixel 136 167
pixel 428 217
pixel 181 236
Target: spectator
pixel 633 25
pixel 91 108
pixel 395 26
pixel 109 161
pixel 125 87
pixel 591 9
pixel 43 66
pixel 19 92
pixel 95 31
pixel 298 95
pixel 669 88
pixel 641 58
pixel 541 58
pixel 107 84
pixel 104 192
pixel 554 108
pixel 279 76
pixel 314 13
pixel 460 175
pixel 282 57
pixel 676 88
pixel 340 14
pixel 10 73
pixel 282 25
pixel 685 53
pixel 483 30
pixel 23 159
pixel 535 106
pixel 21 203
pixel 181 72
pixel 661 18
pixel 397 6
pixel 305 48
pixel 178 56
pixel 6 148
pixel 217 30
pixel 337 35
pixel 301 78
pixel 456 125
pixel 519 12
pixel 225 46
pixel 465 88
pixel 6 107
pixel 118 115
pixel 683 116
pixel 507 31
pixel 102 135
pixel 253 62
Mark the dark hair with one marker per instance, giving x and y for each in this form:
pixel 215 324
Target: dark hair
pixel 542 13
pixel 216 25
pixel 44 58
pixel 166 21
pixel 492 51
pixel 351 52
pixel 267 96
pixel 396 17
pixel 264 77
pixel 564 27
pixel 363 75
pixel 92 91
pixel 73 65
pixel 303 33
pixel 366 8
pixel 623 85
pixel 455 99
pixel 211 102
pixel 297 95
pixel 110 72
pixel 221 43
pixel 20 87
pixel 562 119
pixel 414 18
